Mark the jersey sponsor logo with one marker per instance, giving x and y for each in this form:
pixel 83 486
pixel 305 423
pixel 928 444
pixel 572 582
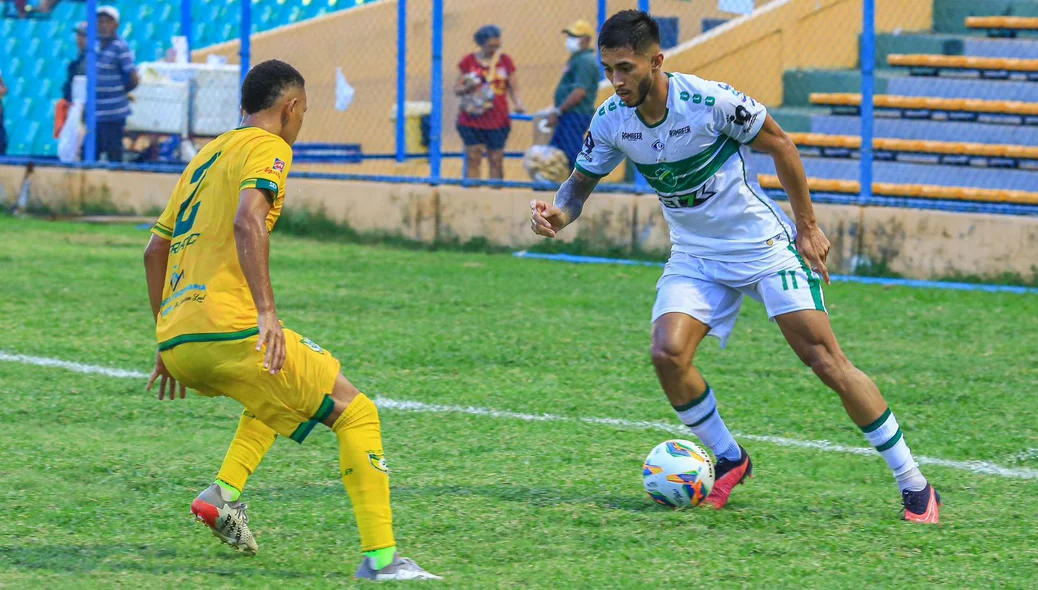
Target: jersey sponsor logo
pixel 589 147
pixel 658 145
pixel 637 136
pixel 279 165
pixel 679 132
pixel 684 96
pixel 612 106
pixel 181 245
pixel 690 200
pixel 175 279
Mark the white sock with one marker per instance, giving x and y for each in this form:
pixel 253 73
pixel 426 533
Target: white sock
pixel 885 434
pixel 703 419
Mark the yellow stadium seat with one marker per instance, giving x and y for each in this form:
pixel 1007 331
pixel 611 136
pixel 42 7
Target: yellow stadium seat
pixel 925 191
pixel 1015 23
pixel 917 146
pixel 960 62
pixel 1005 107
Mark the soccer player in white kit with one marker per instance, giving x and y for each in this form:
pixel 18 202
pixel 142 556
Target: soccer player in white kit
pixel 690 139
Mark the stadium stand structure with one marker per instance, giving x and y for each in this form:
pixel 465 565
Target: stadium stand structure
pixel 34 52
pixel 945 83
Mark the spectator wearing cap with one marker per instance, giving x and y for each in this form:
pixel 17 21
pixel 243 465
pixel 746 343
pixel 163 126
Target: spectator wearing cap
pixel 577 91
pixel 116 77
pixel 76 67
pixel 484 77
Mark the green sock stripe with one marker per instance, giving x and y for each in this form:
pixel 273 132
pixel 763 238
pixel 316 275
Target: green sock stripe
pixel 382 557
pixel 694 402
pixel 704 419
pixel 235 492
pixel 879 422
pixel 890 443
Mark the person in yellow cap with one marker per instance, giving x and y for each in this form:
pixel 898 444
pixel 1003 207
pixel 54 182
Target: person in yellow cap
pixel 577 91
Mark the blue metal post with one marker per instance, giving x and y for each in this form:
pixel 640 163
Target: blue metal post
pixel 246 37
pixel 436 117
pixel 185 24
pixel 868 65
pixel 401 80
pixel 643 5
pixel 603 14
pixel 90 142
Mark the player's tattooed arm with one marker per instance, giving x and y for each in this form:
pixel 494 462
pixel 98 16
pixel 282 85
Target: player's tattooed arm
pixel 547 220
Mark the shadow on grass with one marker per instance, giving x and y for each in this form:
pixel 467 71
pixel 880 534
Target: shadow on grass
pixel 539 497
pixel 84 559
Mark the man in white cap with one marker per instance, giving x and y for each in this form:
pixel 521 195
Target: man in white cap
pixel 116 77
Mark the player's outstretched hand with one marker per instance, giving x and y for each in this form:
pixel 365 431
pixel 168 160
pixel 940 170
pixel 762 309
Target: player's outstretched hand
pixel 546 220
pixel 272 337
pixel 167 379
pixel 814 247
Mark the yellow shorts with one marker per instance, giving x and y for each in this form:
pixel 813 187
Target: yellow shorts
pixel 291 402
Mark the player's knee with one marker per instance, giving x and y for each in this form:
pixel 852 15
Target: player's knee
pixel 670 356
pixel 342 396
pixel 830 365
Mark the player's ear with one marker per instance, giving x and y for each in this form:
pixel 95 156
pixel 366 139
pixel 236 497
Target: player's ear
pixel 657 61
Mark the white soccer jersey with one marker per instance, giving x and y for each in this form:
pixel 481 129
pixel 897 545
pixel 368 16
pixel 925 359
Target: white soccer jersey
pixel 696 160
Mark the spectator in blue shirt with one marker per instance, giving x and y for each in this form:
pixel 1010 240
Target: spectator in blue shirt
pixel 577 91
pixel 116 77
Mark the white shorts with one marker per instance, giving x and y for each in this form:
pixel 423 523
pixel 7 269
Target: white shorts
pixel 711 291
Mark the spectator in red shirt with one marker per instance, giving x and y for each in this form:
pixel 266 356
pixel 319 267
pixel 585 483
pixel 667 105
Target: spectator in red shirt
pixel 483 120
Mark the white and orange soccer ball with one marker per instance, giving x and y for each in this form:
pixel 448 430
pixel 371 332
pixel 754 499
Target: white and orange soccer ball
pixel 678 473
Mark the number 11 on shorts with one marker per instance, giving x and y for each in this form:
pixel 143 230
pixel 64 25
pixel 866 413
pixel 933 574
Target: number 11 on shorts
pixel 792 274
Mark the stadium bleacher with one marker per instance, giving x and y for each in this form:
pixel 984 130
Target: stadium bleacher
pixel 956 113
pixel 39 49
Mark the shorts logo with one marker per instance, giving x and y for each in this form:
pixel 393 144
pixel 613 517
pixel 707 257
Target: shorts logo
pixel 631 136
pixel 312 345
pixel 378 461
pixel 658 145
pixel 279 165
pixel 679 132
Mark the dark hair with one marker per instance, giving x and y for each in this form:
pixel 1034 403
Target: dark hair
pixel 629 28
pixel 266 82
pixel 486 33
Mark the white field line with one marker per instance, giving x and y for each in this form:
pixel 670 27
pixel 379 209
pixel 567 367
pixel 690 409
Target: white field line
pixel 982 467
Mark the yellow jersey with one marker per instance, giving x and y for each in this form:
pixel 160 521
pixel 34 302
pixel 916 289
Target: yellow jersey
pixel 205 297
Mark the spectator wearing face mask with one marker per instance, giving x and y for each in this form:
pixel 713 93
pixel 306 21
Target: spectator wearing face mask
pixel 577 91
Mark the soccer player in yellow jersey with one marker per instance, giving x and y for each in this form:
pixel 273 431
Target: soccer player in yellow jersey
pixel 218 330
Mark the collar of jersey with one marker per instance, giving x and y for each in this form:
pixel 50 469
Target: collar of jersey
pixel 666 113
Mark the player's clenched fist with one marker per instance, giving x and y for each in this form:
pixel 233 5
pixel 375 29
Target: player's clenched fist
pixel 545 219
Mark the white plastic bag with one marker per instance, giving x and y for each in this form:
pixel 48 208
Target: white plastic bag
pixel 343 91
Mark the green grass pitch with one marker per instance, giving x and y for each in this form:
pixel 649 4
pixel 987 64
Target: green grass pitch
pixel 96 476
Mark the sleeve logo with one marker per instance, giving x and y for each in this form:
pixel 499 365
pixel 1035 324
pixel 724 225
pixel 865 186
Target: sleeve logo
pixel 589 147
pixel 279 165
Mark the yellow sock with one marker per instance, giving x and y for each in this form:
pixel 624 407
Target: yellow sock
pixel 251 442
pixel 364 472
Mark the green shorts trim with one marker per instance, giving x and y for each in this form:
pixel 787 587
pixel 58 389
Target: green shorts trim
pixel 218 337
pixel 327 405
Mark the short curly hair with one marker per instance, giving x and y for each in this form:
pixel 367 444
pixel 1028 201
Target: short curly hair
pixel 266 82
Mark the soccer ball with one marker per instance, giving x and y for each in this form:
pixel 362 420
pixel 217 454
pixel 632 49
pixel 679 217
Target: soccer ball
pixel 678 473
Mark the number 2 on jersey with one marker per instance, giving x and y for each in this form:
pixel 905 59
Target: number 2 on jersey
pixel 186 218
